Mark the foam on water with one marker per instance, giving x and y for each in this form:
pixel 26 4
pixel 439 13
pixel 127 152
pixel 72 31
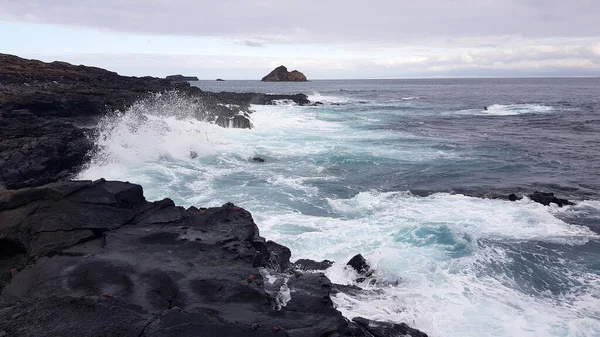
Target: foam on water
pixel 508 110
pixel 466 266
pixel 452 255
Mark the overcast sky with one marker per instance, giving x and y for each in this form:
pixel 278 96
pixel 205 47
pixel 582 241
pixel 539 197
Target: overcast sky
pixel 324 39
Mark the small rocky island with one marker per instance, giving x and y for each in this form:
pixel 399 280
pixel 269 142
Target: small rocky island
pixel 181 78
pixel 281 74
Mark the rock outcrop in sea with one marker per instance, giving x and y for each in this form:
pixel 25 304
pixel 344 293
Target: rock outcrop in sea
pixel 281 74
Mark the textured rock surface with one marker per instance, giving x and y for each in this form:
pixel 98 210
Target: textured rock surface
pixel 281 74
pixel 96 259
pixel 48 109
pixel 549 198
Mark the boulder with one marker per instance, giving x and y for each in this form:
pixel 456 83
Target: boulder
pixel 360 265
pixel 281 74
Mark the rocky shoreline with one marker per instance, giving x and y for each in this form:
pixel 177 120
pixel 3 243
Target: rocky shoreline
pixel 83 258
pixel 48 109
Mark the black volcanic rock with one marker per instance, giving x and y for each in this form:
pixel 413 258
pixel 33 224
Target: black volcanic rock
pixel 386 329
pixel 360 265
pixel 281 74
pixel 306 264
pixel 95 258
pixel 549 198
pixel 48 112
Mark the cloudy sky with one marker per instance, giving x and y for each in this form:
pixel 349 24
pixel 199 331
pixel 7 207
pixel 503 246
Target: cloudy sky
pixel 325 39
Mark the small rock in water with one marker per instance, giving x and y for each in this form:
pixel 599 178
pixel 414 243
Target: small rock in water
pixel 514 197
pixel 258 159
pixel 193 154
pixel 361 266
pixel 549 198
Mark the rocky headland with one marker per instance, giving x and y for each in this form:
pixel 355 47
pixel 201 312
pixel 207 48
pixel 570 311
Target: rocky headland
pixel 95 258
pixel 281 74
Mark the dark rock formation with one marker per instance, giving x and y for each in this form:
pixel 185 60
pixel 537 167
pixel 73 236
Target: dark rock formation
pixel 281 74
pixel 306 264
pixel 361 266
pixel 181 78
pixel 549 198
pixel 48 109
pixel 514 197
pixel 385 329
pixel 220 80
pixel 95 258
pixel 258 159
pixel 543 198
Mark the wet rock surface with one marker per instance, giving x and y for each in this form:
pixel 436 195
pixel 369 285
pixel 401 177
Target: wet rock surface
pixel 48 112
pixel 97 259
pixel 306 264
pixel 549 198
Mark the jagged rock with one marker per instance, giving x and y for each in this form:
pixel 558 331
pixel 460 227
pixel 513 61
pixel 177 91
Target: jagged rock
pixel 549 198
pixel 281 74
pixel 306 264
pixel 258 159
pixel 361 266
pixel 358 263
pixel 385 329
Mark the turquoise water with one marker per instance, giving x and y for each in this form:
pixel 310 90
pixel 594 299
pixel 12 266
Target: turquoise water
pixel 371 172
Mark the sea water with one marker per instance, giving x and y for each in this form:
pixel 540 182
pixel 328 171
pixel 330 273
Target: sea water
pixel 404 172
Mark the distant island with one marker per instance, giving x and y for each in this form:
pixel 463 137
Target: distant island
pixel 220 80
pixel 181 78
pixel 281 74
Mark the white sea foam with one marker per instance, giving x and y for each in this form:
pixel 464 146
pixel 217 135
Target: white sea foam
pixel 444 249
pixel 327 99
pixel 509 110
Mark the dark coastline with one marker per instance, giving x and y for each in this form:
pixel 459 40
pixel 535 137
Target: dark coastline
pixel 97 259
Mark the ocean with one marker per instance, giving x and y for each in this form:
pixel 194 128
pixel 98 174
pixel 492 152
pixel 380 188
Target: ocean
pixel 407 173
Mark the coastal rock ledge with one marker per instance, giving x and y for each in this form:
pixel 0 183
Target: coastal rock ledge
pixel 281 74
pixel 85 258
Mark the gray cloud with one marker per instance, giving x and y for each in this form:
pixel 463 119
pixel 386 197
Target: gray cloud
pixel 252 43
pixel 298 21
